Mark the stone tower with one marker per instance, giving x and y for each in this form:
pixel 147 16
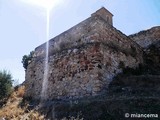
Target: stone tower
pixel 83 60
pixel 105 14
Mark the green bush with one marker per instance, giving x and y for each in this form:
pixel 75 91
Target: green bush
pixel 26 59
pixel 5 84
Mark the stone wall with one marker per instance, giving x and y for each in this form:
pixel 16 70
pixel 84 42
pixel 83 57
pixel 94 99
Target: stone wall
pixel 147 37
pixel 105 14
pixel 82 60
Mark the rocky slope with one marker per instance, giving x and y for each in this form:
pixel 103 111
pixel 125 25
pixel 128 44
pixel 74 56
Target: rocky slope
pixel 147 37
pixel 12 108
pixel 149 40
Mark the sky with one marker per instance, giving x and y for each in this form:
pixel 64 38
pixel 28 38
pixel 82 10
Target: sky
pixel 23 25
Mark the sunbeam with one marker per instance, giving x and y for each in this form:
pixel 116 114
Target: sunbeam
pixel 46 4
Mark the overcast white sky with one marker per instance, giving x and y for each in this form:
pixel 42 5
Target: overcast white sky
pixel 23 26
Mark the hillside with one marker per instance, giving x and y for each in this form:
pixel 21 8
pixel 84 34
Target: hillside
pixel 150 41
pixel 128 93
pixel 147 37
pixel 13 109
pixel 16 107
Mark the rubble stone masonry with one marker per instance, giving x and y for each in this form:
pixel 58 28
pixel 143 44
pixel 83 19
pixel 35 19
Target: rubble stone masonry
pixel 82 61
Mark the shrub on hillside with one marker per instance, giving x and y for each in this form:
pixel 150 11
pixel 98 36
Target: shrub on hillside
pixel 5 84
pixel 26 59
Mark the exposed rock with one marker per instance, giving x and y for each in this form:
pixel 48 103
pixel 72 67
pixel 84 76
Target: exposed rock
pixel 147 37
pixel 152 58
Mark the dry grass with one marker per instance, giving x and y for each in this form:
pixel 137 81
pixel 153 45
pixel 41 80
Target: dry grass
pixel 12 110
pixel 20 91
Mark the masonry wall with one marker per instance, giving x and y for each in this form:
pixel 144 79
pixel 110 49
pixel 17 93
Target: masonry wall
pixel 105 14
pixel 82 61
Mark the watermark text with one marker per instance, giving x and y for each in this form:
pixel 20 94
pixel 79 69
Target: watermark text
pixel 137 115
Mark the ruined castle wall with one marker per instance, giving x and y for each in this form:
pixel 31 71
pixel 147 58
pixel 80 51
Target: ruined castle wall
pixel 82 61
pixel 92 27
pixel 105 14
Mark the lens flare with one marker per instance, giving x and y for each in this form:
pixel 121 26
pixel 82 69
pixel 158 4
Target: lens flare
pixel 47 4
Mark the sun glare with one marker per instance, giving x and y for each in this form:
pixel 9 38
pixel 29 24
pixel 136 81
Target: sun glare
pixel 46 4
